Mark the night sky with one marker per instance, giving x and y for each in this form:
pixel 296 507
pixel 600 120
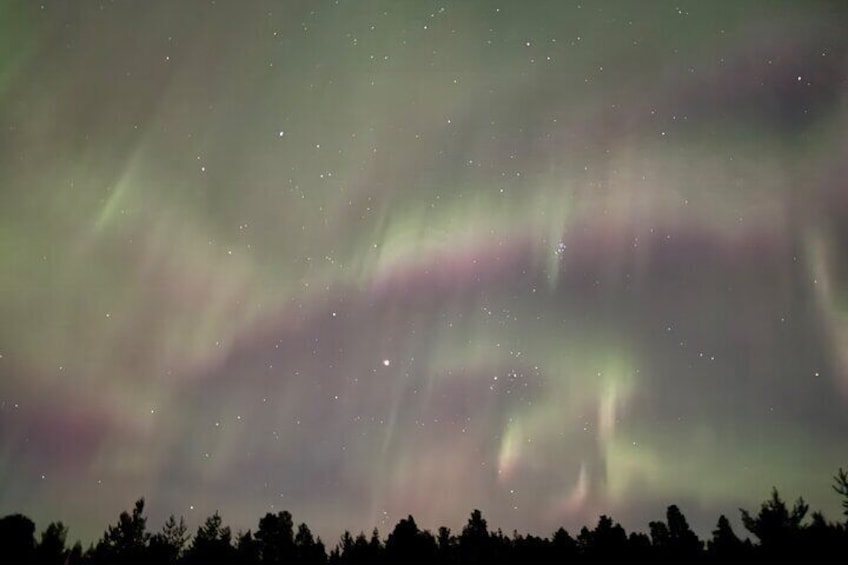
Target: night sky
pixel 364 259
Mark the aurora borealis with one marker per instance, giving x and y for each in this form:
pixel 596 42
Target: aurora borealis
pixel 359 260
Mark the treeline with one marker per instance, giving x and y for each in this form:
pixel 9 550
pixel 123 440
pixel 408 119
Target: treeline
pixel 780 532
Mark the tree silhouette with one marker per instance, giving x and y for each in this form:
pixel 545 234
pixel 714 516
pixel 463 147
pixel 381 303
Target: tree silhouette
pixel 822 540
pixel 725 543
pixel 408 544
pixel 639 547
pixel 76 555
pixel 530 548
pixel 308 551
pixel 474 542
pixel 660 536
pixel 125 542
pixel 777 528
pixel 564 546
pixel 343 552
pixel 356 551
pixel 674 539
pixel 447 546
pixel 375 547
pixel 17 537
pixel 840 485
pixel 276 538
pixel 782 534
pixel 247 549
pixel 167 546
pixel 51 549
pixel 501 548
pixel 608 541
pixel 683 542
pixel 212 544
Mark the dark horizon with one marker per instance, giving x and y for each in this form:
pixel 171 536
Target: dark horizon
pixel 157 516
pixel 777 529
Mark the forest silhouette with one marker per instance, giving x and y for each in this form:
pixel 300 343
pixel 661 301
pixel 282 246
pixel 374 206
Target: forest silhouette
pixel 779 532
